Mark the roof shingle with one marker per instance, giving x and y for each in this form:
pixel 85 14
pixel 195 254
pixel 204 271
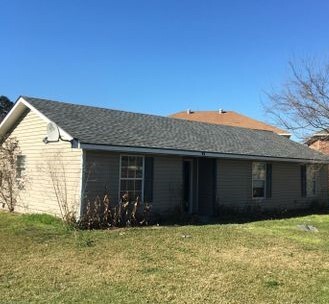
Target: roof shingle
pixel 101 126
pixel 228 118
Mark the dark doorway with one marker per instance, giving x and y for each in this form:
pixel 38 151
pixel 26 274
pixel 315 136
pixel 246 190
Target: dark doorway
pixel 206 186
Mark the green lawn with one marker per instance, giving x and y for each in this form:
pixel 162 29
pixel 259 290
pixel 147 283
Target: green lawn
pixel 260 262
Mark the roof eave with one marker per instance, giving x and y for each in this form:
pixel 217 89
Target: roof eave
pixel 166 151
pixel 288 135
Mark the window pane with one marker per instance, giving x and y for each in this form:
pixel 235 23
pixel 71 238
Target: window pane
pixel 131 176
pixel 258 188
pixel 139 167
pixel 20 165
pixel 139 172
pixel 123 185
pixel 258 170
pixel 124 166
pixel 20 161
pixel 131 167
pixel 132 195
pixel 138 185
pixel 130 185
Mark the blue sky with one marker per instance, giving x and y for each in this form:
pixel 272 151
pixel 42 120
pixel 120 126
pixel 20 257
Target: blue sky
pixel 156 56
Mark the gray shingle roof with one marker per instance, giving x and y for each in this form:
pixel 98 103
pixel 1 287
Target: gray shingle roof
pixel 111 127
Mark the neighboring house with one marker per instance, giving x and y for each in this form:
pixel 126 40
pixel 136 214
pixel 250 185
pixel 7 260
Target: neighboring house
pixel 228 118
pixel 319 141
pixel 163 160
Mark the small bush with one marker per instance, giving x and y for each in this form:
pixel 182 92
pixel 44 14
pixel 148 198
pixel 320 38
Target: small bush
pixel 84 240
pixel 272 283
pixel 180 216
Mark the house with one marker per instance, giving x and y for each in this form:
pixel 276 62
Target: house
pixel 319 141
pixel 228 118
pixel 163 160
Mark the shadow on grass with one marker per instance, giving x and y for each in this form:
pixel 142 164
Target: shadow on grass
pixel 30 224
pixel 237 218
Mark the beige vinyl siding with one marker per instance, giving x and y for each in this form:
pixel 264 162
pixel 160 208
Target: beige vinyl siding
pixel 234 186
pixel 38 194
pixel 167 183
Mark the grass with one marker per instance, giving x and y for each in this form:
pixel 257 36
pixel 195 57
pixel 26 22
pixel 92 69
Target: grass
pixel 261 262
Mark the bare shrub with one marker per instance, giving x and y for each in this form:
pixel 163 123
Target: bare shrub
pixel 55 167
pixel 11 178
pixel 101 213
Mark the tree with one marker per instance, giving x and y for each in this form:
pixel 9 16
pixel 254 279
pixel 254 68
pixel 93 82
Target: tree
pixel 5 106
pixel 11 173
pixel 302 104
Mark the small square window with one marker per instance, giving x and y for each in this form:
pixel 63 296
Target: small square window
pixel 20 166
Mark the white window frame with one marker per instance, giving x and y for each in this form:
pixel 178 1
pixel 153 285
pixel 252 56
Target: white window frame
pixel 143 174
pixel 21 169
pixel 252 182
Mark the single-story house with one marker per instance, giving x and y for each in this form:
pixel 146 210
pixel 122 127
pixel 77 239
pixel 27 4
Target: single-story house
pixel 166 161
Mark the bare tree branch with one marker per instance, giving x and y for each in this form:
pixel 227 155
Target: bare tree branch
pixel 302 104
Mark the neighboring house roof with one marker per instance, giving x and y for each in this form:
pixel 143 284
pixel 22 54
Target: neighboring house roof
pixel 100 128
pixel 228 118
pixel 321 135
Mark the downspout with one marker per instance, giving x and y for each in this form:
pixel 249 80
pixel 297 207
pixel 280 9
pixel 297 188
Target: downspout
pixel 82 182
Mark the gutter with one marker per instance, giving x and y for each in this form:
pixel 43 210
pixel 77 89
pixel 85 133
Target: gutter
pixel 145 150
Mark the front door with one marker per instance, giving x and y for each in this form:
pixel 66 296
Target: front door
pixel 206 186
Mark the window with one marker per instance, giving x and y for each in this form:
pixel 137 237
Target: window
pixel 258 179
pixel 131 176
pixel 311 173
pixel 20 166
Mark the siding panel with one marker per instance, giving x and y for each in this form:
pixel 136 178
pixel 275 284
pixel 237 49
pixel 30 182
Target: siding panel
pixel 101 175
pixel 39 194
pixel 104 174
pixel 234 186
pixel 234 183
pixel 168 183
